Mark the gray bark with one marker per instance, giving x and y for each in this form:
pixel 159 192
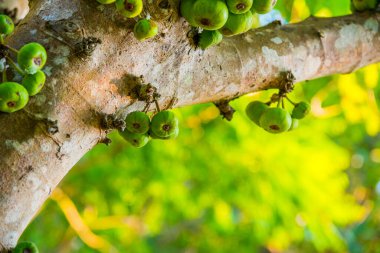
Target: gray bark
pixel 79 91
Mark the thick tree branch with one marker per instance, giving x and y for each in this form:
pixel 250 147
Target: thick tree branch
pixel 81 89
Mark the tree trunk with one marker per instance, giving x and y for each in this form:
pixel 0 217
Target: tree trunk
pixel 36 153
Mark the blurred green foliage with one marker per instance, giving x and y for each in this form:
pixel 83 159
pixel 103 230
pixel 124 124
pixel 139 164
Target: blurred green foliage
pixel 231 187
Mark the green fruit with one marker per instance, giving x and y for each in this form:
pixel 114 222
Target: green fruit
pixel 237 24
pixel 363 5
pixel 13 97
pixel 186 9
pixel 255 20
pixel 129 8
pixel 106 1
pixel 6 25
pixel 25 247
pixel 33 83
pixel 172 136
pixel 254 111
pixel 295 123
pixel 164 124
pixel 275 120
pixel 136 140
pixel 210 14
pixel 32 57
pixel 145 29
pixel 137 122
pixel 239 6
pixel 300 110
pixel 263 6
pixel 209 38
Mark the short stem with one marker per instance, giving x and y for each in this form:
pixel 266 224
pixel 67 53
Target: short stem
pixel 157 105
pixel 146 108
pixel 290 100
pixel 15 67
pixel 1 40
pixel 11 48
pixel 5 74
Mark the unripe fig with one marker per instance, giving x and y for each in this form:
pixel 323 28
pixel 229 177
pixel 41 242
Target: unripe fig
pixel 295 123
pixel 363 5
pixel 263 6
pixel 255 20
pixel 106 1
pixel 145 29
pixel 209 38
pixel 300 110
pixel 129 8
pixel 136 140
pixel 210 14
pixel 237 24
pixel 137 122
pixel 32 57
pixel 275 120
pixel 254 111
pixel 186 9
pixel 33 83
pixel 172 136
pixel 164 124
pixel 239 6
pixel 13 97
pixel 25 247
pixel 6 25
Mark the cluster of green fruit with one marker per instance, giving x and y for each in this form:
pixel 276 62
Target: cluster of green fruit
pixel 30 60
pixel 25 247
pixel 276 119
pixel 220 18
pixel 364 5
pixel 144 28
pixel 139 127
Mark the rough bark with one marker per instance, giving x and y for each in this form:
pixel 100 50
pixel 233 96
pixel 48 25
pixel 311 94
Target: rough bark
pixel 79 91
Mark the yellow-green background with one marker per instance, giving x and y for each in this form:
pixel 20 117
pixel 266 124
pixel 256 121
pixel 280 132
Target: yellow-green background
pixel 231 187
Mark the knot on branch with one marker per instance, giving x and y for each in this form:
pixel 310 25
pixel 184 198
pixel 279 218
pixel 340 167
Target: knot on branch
pixel 225 109
pixel 110 121
pixel 286 82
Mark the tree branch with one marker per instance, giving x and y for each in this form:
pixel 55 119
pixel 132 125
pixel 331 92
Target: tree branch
pixel 81 89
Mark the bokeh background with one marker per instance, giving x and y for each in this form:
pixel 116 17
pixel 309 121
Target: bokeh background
pixel 231 187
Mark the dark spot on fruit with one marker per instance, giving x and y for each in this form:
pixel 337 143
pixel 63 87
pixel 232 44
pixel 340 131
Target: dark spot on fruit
pixel 240 6
pixel 164 4
pixel 166 127
pixel 274 127
pixel 136 125
pixel 37 61
pixel 135 141
pixel 129 7
pixel 205 21
pixel 40 85
pixel 18 94
pixel 27 251
pixel 11 104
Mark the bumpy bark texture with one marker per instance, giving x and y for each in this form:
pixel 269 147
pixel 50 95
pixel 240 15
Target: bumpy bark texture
pixel 80 89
